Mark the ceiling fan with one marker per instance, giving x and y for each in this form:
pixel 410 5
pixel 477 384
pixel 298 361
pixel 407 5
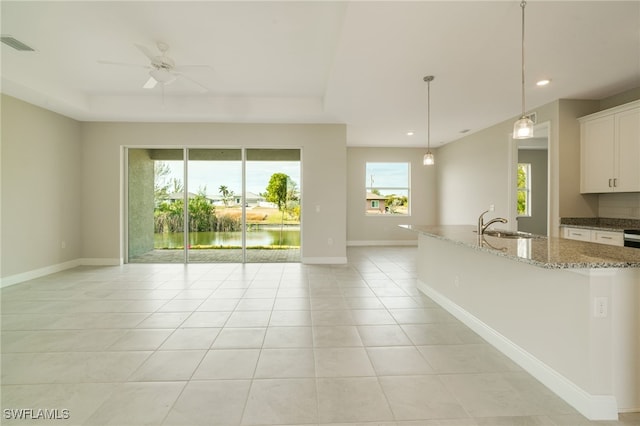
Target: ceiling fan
pixel 162 69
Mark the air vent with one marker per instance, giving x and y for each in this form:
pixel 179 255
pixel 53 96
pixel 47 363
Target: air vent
pixel 16 44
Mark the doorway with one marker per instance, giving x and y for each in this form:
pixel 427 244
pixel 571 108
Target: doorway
pixel 242 205
pixel 531 169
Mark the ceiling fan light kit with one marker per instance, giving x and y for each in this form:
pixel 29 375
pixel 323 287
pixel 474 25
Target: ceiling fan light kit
pixel 162 76
pixel 162 68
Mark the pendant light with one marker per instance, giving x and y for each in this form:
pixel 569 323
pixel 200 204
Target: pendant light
pixel 428 159
pixel 523 128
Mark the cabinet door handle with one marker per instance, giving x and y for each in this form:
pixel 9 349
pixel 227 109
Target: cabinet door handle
pixel 606 238
pixel 615 182
pixel 609 183
pixel 577 234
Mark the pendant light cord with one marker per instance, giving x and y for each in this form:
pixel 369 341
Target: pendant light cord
pixel 429 116
pixel 429 79
pixel 522 5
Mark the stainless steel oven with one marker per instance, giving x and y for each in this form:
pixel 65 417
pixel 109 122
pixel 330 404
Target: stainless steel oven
pixel 632 238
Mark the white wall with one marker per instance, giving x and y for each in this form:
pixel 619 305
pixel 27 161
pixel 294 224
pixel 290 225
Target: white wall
pixel 620 206
pixel 40 189
pixel 377 230
pixel 323 177
pixel 475 171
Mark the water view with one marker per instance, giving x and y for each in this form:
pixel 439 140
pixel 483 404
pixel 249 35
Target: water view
pixel 264 237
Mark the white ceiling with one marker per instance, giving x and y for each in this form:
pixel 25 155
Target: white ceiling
pixel 361 63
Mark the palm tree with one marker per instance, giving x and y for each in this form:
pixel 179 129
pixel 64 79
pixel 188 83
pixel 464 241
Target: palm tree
pixel 224 191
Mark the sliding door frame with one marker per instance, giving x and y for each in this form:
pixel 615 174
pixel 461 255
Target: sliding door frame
pixel 185 159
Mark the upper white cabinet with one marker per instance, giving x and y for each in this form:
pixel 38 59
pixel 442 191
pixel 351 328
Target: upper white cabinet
pixel 610 150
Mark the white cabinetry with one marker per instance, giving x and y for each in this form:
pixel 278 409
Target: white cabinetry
pixel 611 238
pixel 610 150
pixel 608 237
pixel 577 234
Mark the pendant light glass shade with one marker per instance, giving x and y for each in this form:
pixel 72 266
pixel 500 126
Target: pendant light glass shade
pixel 523 128
pixel 428 159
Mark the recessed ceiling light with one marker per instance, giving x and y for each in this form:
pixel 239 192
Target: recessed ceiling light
pixel 410 133
pixel 543 82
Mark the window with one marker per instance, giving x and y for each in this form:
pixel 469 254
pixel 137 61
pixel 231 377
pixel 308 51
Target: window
pixel 387 189
pixel 524 189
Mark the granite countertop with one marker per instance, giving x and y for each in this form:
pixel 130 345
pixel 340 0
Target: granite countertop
pixel 600 223
pixel 546 252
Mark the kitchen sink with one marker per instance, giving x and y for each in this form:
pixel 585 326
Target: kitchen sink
pixel 508 234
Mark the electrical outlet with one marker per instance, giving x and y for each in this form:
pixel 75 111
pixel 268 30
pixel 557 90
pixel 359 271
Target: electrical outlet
pixel 600 307
pixel 492 207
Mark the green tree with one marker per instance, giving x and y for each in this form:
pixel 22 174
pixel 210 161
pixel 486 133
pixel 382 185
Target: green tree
pixel 201 212
pixel 226 195
pixel 522 189
pixel 392 202
pixel 277 190
pixel 176 185
pixel 161 171
pixel 168 216
pixel 280 190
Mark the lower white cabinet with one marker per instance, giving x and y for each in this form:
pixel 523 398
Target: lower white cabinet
pixel 608 237
pixel 577 234
pixel 611 238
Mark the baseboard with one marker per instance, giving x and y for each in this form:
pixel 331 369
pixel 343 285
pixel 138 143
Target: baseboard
pixel 37 273
pixel 593 407
pixel 359 243
pixel 100 261
pixel 324 260
pixel 59 267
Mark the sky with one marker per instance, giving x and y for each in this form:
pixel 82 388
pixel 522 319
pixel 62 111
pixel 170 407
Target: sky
pixel 213 174
pixel 387 177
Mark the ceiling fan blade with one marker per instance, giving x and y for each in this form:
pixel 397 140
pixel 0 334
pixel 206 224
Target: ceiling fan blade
pixel 151 83
pixel 184 67
pixel 124 64
pixel 145 51
pixel 202 86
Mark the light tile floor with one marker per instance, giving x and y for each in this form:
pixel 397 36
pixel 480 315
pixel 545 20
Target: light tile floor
pixel 257 344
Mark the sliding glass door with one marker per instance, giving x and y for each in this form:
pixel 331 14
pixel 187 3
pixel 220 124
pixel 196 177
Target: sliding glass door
pixel 242 205
pixel 272 205
pixel 155 192
pixel 215 218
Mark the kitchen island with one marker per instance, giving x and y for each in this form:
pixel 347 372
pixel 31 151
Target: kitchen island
pixel 566 311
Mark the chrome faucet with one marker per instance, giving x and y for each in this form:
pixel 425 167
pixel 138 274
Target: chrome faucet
pixel 483 226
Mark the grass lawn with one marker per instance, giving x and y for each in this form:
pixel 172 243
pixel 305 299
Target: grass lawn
pixel 258 215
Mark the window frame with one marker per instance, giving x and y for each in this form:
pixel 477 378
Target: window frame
pixel 369 188
pixel 526 189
